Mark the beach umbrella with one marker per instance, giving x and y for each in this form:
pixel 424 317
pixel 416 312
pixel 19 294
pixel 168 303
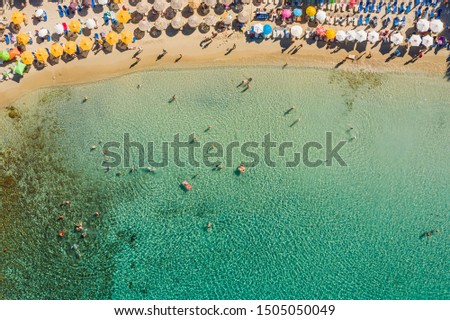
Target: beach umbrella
pixel 142 7
pixel 427 41
pixel 341 35
pixel 87 3
pixel 351 35
pixel 126 36
pixel 193 21
pixel 267 29
pixel 243 16
pixel 41 54
pixel 296 31
pixel 43 33
pixel 415 40
pixel 321 16
pixel 4 55
pixel 20 68
pixel 397 38
pixel 73 6
pixel 112 38
pixel 194 4
pixel 246 1
pixel 56 50
pixel 86 44
pixel 27 57
pixel 177 4
pixel 436 26
pixel 144 25
pixel 320 31
pixel 258 28
pixel 177 22
pixel 373 36
pixel 331 34
pixel 70 47
pixel 210 19
pixel 14 53
pixel 210 3
pixel 123 16
pixel 75 26
pixel 228 19
pixel 23 38
pixel 361 36
pixel 91 24
pixel 226 2
pixel 117 1
pixel 298 12
pixel 102 2
pixel 311 11
pixel 17 17
pixel 286 13
pixel 422 25
pixel 38 13
pixel 59 29
pixel 159 5
pixel 161 24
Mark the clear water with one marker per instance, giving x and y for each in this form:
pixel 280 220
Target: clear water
pixel 353 232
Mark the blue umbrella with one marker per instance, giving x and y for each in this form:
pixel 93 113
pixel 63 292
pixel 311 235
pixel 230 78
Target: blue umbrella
pixel 267 29
pixel 298 12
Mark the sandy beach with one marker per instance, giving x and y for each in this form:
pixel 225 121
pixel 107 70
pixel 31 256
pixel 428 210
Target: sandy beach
pixel 267 52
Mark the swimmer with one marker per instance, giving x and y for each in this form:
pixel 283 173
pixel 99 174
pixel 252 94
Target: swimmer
pixel 84 235
pixel 85 98
pixel 119 173
pixel 209 226
pixel 132 168
pixel 96 213
pixel 139 86
pixel 93 147
pixel 60 218
pixel 79 226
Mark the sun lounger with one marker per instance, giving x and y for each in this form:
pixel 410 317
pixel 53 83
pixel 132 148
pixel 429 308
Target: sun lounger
pixel 417 2
pixel 49 38
pixel 431 14
pixel 396 22
pixel 44 16
pixel 388 8
pixel 106 18
pixel 394 7
pixel 360 7
pixel 408 8
pixel 372 7
pixel 401 8
pixel 48 51
pixel 367 21
pixel 403 22
pixel 66 11
pixel 366 7
pixel 96 36
pixel 60 11
pixel 262 16
pixel 438 15
pixel 93 4
pixel 360 20
pixel 66 30
pixel 380 5
pixel 418 13
pixel 7 41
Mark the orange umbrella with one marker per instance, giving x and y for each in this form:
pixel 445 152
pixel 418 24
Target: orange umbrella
pixel 86 44
pixel 27 57
pixel 70 47
pixel 23 38
pixel 17 17
pixel 14 53
pixel 126 36
pixel 112 38
pixel 123 16
pixel 56 50
pixel 41 54
pixel 75 26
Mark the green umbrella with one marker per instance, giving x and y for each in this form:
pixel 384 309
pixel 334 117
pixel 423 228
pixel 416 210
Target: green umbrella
pixel 20 68
pixel 4 55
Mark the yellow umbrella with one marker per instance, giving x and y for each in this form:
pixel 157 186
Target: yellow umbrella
pixel 86 44
pixel 126 36
pixel 75 26
pixel 117 1
pixel 331 34
pixel 70 47
pixel 56 50
pixel 194 4
pixel 41 54
pixel 112 38
pixel 23 38
pixel 123 16
pixel 311 11
pixel 27 57
pixel 17 17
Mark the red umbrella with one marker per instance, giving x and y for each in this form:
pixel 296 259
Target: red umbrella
pixel 320 31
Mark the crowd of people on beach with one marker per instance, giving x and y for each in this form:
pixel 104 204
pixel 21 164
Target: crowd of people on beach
pixel 403 27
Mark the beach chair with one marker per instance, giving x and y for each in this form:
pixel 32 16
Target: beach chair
pixel 360 7
pixel 367 21
pixel 431 14
pixel 417 2
pixel 44 16
pixel 388 8
pixel 66 30
pixel 48 51
pixel 438 14
pixel 96 36
pixel 380 5
pixel 366 7
pixel 394 7
pixel 106 18
pixel 408 8
pixel 7 41
pixel 360 20
pixel 78 50
pixel 418 13
pixel 372 7
pixel 403 22
pixel 401 8
pixel 93 4
pixel 396 22
pixel 79 8
pixel 49 38
pixel 398 53
pixel 60 11
pixel 66 11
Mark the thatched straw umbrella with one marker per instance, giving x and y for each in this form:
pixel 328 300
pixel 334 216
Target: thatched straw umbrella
pixel 142 7
pixel 193 21
pixel 177 22
pixel 194 4
pixel 210 19
pixel 243 17
pixel 144 25
pixel 177 4
pixel 161 24
pixel 159 5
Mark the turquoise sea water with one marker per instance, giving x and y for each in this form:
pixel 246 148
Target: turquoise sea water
pixel 330 232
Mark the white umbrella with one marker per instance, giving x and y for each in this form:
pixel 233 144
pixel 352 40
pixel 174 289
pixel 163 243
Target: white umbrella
pixel 144 25
pixel 351 35
pixel 361 36
pixel 177 22
pixel 436 26
pixel 159 5
pixel 296 31
pixel 193 21
pixel 161 24
pixel 427 41
pixel 210 19
pixel 59 29
pixel 373 36
pixel 90 24
pixel 227 2
pixel 415 40
pixel 210 3
pixel 422 25
pixel 246 1
pixel 243 17
pixel 142 8
pixel 397 38
pixel 43 33
pixel 39 13
pixel 341 35
pixel 177 4
pixel 321 16
pixel 228 19
pixel 258 28
pixel 102 2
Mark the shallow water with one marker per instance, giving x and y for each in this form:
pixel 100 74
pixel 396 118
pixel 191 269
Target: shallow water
pixel 329 232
